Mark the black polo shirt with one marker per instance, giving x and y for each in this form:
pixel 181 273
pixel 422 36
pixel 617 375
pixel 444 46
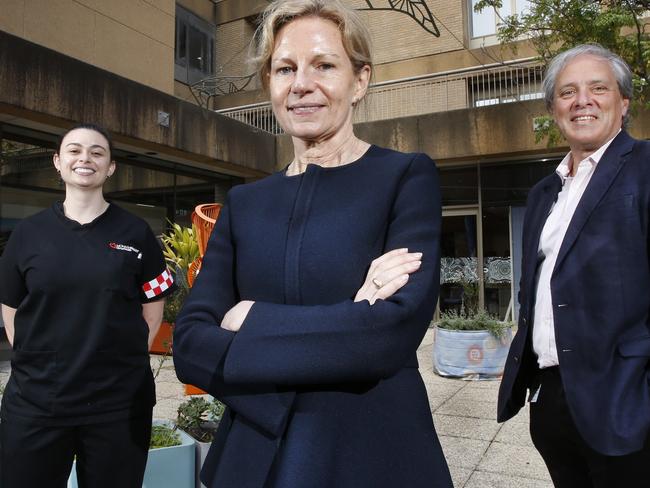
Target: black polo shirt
pixel 80 346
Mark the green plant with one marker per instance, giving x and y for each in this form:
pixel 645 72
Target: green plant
pixel 551 26
pixel 180 246
pixel 181 249
pixel 480 320
pixel 174 303
pixel 164 436
pixel 470 297
pixel 200 417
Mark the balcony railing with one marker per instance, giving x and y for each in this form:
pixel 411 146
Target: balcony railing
pixel 500 83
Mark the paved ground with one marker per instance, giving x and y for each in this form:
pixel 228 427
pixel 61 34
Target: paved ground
pixel 480 452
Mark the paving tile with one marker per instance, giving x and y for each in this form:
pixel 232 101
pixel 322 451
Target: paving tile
pixel 492 384
pixel 522 416
pixel 459 476
pixel 431 378
pixel 465 453
pixel 515 432
pixel 439 395
pixel 465 407
pixel 428 338
pixel 164 411
pixel 514 460
pixel 480 394
pixel 482 479
pixel 468 427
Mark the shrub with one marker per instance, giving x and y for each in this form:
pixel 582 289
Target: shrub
pixel 200 417
pixel 164 436
pixel 480 320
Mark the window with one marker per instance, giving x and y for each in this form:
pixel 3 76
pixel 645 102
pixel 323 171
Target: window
pixel 194 53
pixel 486 22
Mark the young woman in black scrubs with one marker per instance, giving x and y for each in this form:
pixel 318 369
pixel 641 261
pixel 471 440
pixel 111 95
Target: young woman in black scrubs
pixel 82 294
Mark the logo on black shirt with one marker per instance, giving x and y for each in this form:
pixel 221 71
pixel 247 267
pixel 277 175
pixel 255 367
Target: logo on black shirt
pixel 124 247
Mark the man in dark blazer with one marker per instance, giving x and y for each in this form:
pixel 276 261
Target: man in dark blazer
pixel 582 349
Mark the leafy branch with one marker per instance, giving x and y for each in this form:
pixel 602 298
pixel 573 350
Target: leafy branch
pixel 552 26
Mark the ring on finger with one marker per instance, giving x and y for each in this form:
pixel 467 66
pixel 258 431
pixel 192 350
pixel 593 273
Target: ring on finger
pixel 377 283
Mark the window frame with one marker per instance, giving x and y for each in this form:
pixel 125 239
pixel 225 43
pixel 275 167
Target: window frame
pixel 187 23
pixel 489 39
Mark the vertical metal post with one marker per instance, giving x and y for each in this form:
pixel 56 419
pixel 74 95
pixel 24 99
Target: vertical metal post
pixel 479 242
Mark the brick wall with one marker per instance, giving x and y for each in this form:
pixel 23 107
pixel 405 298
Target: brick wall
pixel 232 51
pixel 134 39
pixel 397 36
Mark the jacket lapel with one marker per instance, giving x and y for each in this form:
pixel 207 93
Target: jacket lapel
pixel 603 177
pixel 539 213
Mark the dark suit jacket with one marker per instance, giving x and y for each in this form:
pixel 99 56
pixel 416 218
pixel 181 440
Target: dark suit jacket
pixel 601 299
pixel 322 391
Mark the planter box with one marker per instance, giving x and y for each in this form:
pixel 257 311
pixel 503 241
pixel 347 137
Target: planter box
pixel 167 467
pixel 202 449
pixel 470 354
pixel 193 390
pixel 162 342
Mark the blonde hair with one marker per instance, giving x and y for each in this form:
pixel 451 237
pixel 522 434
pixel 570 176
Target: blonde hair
pixel 354 33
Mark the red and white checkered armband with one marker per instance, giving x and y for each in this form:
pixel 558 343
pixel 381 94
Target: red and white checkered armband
pixel 158 285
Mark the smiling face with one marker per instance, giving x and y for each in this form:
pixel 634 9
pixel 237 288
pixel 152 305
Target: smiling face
pixel 588 106
pixel 312 82
pixel 84 159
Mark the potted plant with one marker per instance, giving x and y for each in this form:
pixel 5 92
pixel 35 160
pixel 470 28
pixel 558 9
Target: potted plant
pixel 181 249
pixel 471 344
pixel 200 417
pixel 171 459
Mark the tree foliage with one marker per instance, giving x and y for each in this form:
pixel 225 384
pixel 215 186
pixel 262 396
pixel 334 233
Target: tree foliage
pixel 553 26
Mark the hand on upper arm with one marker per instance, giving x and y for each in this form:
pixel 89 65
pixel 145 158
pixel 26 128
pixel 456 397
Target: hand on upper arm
pixel 387 274
pixel 235 317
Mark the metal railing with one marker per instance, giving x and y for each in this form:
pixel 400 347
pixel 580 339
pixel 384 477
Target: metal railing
pixel 500 83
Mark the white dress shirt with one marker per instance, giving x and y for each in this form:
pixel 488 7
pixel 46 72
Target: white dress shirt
pixel 550 241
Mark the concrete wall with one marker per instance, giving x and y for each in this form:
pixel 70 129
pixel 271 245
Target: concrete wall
pixel 131 38
pixel 456 136
pixel 496 132
pixel 57 91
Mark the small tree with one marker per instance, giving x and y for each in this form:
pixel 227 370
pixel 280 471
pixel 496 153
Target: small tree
pixel 553 26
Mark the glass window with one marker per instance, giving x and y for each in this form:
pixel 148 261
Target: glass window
pixel 194 51
pixel 497 265
pixel 459 280
pixel 181 43
pixel 504 189
pixel 508 184
pixel 155 190
pixel 485 23
pixel 459 186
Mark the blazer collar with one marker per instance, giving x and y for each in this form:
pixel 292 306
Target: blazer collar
pixel 604 174
pixel 551 186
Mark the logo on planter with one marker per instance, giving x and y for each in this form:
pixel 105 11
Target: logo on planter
pixel 475 354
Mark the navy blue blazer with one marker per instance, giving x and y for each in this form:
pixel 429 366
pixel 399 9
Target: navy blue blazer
pixel 600 288
pixel 321 391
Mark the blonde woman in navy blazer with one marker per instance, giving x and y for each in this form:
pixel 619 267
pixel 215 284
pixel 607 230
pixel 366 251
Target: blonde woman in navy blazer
pixel 318 285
